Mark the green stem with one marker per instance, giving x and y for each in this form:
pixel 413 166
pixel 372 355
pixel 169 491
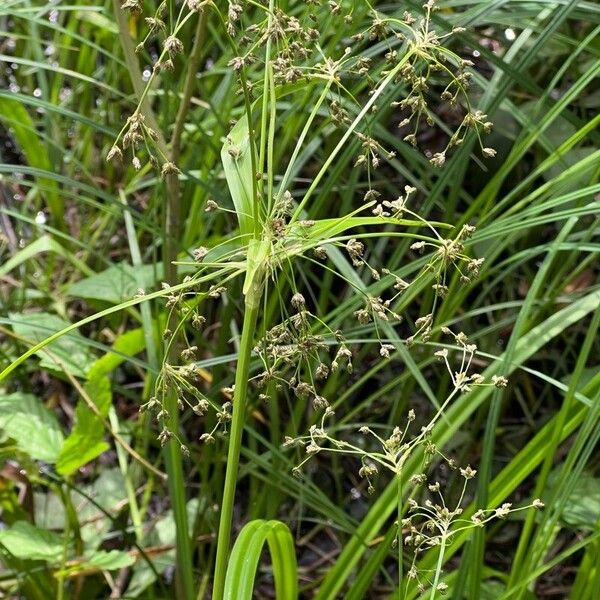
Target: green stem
pixel 399 534
pixel 235 440
pixel 172 451
pixel 344 140
pixel 438 568
pixel 174 464
pixel 265 98
pixel 307 127
pixel 185 575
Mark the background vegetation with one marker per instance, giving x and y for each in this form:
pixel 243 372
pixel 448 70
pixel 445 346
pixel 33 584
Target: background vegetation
pixel 87 508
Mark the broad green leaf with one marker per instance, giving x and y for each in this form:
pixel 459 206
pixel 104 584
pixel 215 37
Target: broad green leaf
pixel 115 284
pixel 108 561
pixel 129 343
pixel 35 429
pixel 108 491
pixel 49 510
pixel 78 450
pixel 26 541
pixel 237 164
pixel 86 440
pixel 70 351
pixel 582 508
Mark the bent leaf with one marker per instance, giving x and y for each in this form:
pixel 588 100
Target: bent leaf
pixel 117 283
pixel 245 556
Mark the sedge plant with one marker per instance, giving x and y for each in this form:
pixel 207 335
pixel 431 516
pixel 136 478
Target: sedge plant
pixel 280 55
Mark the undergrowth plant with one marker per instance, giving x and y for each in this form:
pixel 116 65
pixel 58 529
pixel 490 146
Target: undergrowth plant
pixel 298 185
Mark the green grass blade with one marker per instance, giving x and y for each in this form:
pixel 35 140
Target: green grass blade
pixel 245 557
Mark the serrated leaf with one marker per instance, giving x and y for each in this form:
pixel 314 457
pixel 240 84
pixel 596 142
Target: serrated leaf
pixel 86 440
pixel 71 351
pixel 34 428
pixel 26 541
pixel 116 284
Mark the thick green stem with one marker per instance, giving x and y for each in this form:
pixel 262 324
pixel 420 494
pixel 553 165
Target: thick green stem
pixel 235 440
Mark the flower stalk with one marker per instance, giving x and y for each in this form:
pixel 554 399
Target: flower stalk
pixel 238 420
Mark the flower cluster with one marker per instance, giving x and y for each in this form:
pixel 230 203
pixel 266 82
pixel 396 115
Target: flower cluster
pixel 401 444
pixel 297 359
pixel 414 57
pixel 431 524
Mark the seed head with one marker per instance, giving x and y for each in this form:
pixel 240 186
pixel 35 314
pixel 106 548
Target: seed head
pixel 115 154
pixel 438 159
pixel 173 45
pixel 468 472
pixel 133 6
pixel 298 301
pixel 169 168
pixel 200 253
pixel 499 381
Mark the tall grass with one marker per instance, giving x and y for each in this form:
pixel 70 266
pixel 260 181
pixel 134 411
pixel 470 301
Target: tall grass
pixel 198 359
